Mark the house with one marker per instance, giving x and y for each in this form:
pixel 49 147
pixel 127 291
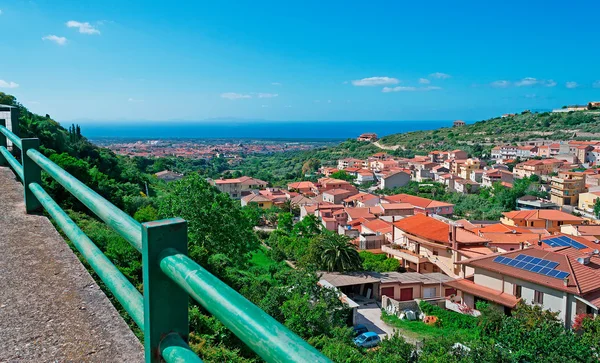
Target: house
pixel 331 215
pixel 465 169
pixel 364 176
pixel 238 187
pixel 566 187
pixel 367 137
pixel 336 196
pixel 587 201
pixel 436 171
pixel 260 200
pixel 540 168
pixel 304 187
pixel 504 152
pixel 324 184
pixel 399 286
pixel 551 220
pixel 393 210
pixel 527 151
pixel 422 205
pixel 562 280
pixel 491 176
pixel 327 171
pixel 529 202
pixel 476 175
pixel 168 176
pixel 368 213
pixel 458 123
pixel 590 232
pixel 373 234
pixel 393 179
pixel 508 238
pixel 466 186
pixel 425 244
pixel 349 163
pixel 361 200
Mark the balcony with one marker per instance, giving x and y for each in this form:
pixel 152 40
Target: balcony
pixel 403 253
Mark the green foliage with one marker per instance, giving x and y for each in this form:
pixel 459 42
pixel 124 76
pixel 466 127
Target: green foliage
pixel 378 262
pixel 216 224
pixel 342 175
pixel 334 252
pixel 146 214
pixel 447 318
pixel 597 207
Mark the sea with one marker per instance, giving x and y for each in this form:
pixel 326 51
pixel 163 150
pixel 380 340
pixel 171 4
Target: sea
pixel 292 130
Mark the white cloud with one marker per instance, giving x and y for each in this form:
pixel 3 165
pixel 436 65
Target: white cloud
pixel 424 81
pixel 276 84
pixel 596 84
pixel 530 81
pixel 56 39
pixel 375 81
pixel 5 84
pixel 135 100
pixel 571 85
pixel 267 95
pixel 84 28
pixel 500 84
pixel 439 75
pixel 409 89
pixel 234 96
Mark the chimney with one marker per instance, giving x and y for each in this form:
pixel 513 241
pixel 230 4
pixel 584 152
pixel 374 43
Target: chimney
pixel 452 235
pixel 566 281
pixel 521 245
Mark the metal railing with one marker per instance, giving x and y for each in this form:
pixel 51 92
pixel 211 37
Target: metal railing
pixel 170 277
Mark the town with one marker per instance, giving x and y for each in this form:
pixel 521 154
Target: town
pixel 545 252
pixel 233 150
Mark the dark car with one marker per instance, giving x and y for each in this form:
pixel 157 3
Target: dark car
pixel 359 329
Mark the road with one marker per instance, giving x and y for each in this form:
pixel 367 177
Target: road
pixel 370 316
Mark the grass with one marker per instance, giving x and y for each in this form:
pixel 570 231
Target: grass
pixel 260 258
pixel 418 330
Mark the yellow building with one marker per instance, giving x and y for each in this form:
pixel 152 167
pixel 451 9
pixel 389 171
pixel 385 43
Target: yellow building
pixel 566 187
pixel 467 167
pixel 587 200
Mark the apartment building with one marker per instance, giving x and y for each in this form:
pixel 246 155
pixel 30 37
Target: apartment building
pixel 566 187
pixel 564 280
pixel 238 187
pixel 540 168
pixel 550 220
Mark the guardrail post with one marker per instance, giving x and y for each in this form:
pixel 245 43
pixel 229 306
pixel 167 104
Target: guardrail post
pixel 165 303
pixel 3 161
pixel 14 127
pixel 31 174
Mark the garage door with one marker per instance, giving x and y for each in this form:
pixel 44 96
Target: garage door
pixel 387 291
pixel 406 294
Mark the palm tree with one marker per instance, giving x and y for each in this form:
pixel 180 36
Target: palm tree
pixel 334 252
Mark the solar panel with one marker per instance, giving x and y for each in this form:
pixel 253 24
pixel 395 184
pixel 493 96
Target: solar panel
pixel 535 264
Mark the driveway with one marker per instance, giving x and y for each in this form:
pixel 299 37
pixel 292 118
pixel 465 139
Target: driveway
pixel 369 314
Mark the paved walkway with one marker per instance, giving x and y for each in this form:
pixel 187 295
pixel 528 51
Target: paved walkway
pixel 51 310
pixel 370 316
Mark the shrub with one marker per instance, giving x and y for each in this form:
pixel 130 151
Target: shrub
pixel 449 319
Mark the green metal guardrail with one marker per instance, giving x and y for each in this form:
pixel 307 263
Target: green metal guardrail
pixel 169 275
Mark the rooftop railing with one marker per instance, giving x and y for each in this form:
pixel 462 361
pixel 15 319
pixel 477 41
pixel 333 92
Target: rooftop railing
pixel 170 277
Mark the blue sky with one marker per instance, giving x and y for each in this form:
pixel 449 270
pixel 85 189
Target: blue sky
pixel 310 60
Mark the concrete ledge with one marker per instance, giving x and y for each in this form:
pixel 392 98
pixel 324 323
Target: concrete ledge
pixel 51 309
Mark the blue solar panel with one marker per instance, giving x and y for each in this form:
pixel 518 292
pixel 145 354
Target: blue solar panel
pixel 535 264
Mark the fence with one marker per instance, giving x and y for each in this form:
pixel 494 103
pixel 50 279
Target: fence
pixel 169 275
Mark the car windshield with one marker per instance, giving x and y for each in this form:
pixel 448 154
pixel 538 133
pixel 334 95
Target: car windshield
pixel 361 338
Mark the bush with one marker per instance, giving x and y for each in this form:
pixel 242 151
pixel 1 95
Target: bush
pixel 449 319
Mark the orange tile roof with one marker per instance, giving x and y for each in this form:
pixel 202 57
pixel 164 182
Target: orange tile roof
pixel 542 214
pixel 417 201
pixel 396 206
pixel 426 227
pixel 378 225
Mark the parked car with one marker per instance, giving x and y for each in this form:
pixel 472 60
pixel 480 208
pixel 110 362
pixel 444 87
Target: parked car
pixel 359 329
pixel 367 340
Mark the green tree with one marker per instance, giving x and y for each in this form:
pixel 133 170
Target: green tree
pixel 342 175
pixel 216 224
pixel 334 252
pixel 146 214
pixel 597 207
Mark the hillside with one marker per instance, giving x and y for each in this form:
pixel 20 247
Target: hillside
pixel 483 135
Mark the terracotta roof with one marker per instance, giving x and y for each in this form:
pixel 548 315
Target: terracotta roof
pixel 589 230
pixel 486 293
pixel 564 264
pixel 367 212
pixel 361 197
pixel 475 251
pixel 543 214
pixel 426 227
pixel 417 201
pixel 337 192
pixel 378 225
pixel 396 206
pixel 255 198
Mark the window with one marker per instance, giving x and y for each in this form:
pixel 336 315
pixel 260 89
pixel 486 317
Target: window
pixel 429 292
pixel 518 289
pixel 538 297
pixel 436 253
